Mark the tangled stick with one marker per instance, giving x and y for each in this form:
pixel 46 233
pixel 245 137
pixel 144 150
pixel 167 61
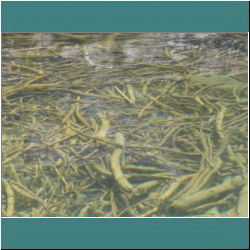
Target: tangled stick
pixel 115 164
pixel 202 197
pixel 10 199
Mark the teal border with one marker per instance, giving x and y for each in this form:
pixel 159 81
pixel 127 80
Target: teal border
pixel 124 16
pixel 126 233
pixel 159 233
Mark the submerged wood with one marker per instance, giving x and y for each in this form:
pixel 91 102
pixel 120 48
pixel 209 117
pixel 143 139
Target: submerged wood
pixel 115 164
pixel 69 100
pixel 205 196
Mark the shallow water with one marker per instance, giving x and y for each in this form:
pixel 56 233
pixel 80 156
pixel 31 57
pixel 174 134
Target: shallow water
pixel 186 86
